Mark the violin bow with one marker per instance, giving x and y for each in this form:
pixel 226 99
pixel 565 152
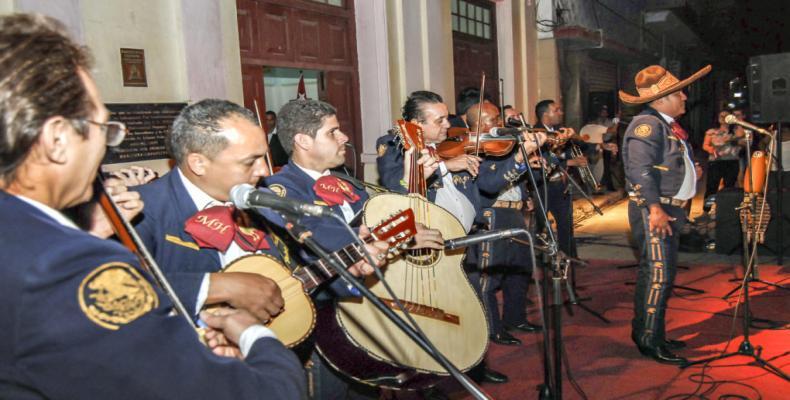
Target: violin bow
pixel 132 241
pixel 268 155
pixel 502 101
pixel 480 112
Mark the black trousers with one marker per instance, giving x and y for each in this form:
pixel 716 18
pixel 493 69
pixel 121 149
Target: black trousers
pixel 655 276
pixel 559 205
pixel 718 170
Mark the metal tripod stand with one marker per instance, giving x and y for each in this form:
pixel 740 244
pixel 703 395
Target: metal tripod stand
pixel 746 348
pixel 750 231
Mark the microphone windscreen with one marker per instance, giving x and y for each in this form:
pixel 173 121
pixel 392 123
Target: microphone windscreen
pixel 239 194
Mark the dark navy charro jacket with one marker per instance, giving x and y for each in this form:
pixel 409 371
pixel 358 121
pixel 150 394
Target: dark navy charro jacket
pixel 390 168
pixel 81 320
pixel 291 182
pixel 653 157
pixel 167 207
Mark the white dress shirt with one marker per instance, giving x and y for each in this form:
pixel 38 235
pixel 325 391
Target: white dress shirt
pixel 452 200
pixel 202 201
pixel 689 186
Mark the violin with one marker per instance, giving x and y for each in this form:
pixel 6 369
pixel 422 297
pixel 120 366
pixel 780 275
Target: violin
pixel 558 143
pixel 461 141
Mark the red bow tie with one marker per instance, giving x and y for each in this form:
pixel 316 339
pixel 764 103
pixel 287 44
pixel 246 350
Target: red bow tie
pixel 217 227
pixel 333 190
pixel 678 131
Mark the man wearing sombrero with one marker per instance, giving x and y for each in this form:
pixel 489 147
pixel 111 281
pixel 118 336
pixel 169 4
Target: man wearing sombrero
pixel 661 179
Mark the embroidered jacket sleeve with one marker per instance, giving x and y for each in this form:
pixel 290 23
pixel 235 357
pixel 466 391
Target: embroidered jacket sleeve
pixel 644 148
pixel 113 335
pixel 389 163
pixel 152 231
pixel 498 173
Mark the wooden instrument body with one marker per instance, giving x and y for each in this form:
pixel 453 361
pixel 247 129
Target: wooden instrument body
pixel 297 320
pixel 438 295
pixel 461 141
pixel 758 173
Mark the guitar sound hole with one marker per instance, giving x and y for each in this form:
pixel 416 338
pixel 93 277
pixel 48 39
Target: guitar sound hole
pixel 422 257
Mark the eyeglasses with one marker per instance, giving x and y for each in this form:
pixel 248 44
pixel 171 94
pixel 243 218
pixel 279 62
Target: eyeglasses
pixel 113 130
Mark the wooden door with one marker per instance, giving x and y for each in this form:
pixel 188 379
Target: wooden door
pixel 338 90
pixel 303 34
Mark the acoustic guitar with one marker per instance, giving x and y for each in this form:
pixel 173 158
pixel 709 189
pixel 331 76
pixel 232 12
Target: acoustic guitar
pixel 297 320
pixel 361 342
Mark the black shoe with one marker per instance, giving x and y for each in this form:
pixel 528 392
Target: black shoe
pixel 670 344
pixel 523 327
pixel 663 356
pixel 491 376
pixel 505 338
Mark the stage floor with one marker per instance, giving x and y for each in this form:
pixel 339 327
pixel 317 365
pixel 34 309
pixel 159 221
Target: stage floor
pixel 604 361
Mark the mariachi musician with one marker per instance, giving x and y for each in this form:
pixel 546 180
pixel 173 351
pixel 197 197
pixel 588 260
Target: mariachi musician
pixel 77 306
pixel 187 223
pixel 661 179
pixel 453 185
pixel 549 116
pixel 503 264
pixel 309 131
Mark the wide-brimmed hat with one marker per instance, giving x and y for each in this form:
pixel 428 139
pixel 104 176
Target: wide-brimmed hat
pixel 655 82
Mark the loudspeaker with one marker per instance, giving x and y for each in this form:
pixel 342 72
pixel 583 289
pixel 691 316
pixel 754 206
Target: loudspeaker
pixel 728 224
pixel 769 87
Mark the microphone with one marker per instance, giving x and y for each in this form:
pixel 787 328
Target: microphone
pixel 733 120
pixel 490 236
pixel 498 132
pixel 245 196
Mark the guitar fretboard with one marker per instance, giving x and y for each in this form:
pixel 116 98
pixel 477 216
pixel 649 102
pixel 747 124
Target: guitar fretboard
pixel 320 271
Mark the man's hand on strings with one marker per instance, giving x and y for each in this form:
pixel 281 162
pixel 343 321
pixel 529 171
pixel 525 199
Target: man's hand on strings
pixel 429 163
pixel 464 162
pixel 255 293
pixel 532 140
pixel 427 238
pixel 378 251
pixel 128 202
pixel 135 175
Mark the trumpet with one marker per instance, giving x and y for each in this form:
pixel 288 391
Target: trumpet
pixel 585 172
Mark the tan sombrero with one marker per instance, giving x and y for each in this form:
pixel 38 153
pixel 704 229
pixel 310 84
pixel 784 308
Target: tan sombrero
pixel 655 82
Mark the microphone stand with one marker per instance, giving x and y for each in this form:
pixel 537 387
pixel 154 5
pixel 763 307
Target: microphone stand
pixel 551 388
pixel 304 236
pixel 579 189
pixel 749 263
pixel 571 288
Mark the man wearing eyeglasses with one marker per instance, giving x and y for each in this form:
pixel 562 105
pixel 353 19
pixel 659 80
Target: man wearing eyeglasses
pixel 82 319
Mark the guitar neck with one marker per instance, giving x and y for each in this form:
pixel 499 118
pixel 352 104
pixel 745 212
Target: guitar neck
pixel 320 271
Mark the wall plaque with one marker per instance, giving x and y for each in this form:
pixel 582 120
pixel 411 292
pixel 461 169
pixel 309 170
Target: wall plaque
pixel 148 126
pixel 133 67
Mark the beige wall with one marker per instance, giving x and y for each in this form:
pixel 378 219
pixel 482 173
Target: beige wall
pixel 191 46
pixel 420 43
pixel 547 71
pixel 525 58
pixel 151 25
